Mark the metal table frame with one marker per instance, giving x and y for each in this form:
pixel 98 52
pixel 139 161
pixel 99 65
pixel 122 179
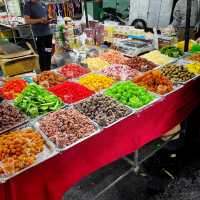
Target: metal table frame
pixel 135 164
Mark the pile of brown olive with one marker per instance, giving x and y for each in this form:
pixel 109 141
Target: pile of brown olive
pixel 177 73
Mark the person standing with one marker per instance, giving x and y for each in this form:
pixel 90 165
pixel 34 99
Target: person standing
pixel 36 14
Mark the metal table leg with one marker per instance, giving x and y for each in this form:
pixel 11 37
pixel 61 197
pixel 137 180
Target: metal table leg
pixel 114 183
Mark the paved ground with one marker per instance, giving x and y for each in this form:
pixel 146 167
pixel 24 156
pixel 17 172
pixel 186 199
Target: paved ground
pixel 167 179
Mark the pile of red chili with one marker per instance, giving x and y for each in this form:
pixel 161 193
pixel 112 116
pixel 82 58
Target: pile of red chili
pixel 13 87
pixel 71 92
pixel 73 71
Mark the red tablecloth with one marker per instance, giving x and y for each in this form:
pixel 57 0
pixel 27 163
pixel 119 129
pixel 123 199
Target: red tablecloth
pixel 49 180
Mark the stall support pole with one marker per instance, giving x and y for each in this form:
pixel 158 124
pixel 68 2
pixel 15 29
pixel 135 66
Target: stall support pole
pixel 86 13
pixel 187 28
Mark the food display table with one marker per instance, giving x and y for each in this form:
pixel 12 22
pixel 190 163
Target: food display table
pixel 52 178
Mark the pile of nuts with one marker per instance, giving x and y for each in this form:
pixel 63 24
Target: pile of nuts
pixel 19 150
pixel 48 79
pixel 10 117
pixel 140 64
pixel 65 127
pixel 177 73
pixel 103 110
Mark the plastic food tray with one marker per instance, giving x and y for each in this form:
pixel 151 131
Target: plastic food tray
pixel 48 152
pixel 37 127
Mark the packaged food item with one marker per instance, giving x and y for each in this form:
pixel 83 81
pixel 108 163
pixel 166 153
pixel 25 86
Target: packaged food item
pixel 130 94
pixel 181 45
pixel 96 82
pixel 103 110
pixel 195 48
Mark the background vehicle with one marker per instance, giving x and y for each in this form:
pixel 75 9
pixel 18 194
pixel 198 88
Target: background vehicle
pixel 141 13
pixel 144 12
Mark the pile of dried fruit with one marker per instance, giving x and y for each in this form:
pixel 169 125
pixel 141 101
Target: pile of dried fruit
pixel 194 68
pixel 140 64
pixel 177 73
pixel 195 57
pixel 71 92
pixel 48 79
pixel 96 82
pixel 13 87
pixel 155 82
pixel 121 72
pixel 65 127
pixel 35 101
pixel 158 58
pixel 95 64
pixel 130 94
pixel 19 150
pixel 10 117
pixel 103 110
pixel 114 57
pixel 73 71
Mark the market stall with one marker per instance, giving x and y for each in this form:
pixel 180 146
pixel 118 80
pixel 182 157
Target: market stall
pixel 58 126
pixel 52 178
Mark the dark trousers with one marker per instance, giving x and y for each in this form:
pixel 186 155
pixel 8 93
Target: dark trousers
pixel 44 48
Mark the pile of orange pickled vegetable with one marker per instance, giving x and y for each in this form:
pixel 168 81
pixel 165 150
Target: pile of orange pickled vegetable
pixel 114 57
pixel 155 82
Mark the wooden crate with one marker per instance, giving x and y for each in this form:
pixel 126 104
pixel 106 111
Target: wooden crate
pixel 11 67
pixel 19 62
